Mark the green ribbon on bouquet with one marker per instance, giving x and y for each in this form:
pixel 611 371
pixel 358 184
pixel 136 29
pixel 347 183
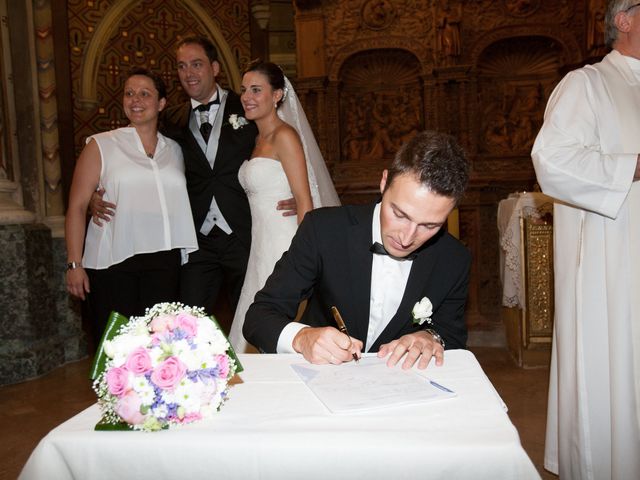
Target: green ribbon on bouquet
pixel 100 360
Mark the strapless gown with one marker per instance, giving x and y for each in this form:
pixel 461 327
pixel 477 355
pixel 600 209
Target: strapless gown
pixel 265 183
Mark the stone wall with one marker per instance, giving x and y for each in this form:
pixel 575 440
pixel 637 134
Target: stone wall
pixel 40 328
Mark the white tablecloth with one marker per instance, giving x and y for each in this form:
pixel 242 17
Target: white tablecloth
pixel 272 426
pixel 510 211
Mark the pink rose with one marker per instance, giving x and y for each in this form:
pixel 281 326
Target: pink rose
pixel 187 323
pixel 169 373
pixel 117 380
pixel 129 408
pixel 138 361
pixel 223 365
pixel 162 323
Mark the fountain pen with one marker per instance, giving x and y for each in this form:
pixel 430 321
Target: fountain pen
pixel 342 327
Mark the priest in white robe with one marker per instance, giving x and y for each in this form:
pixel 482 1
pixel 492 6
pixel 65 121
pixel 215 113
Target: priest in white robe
pixel 587 157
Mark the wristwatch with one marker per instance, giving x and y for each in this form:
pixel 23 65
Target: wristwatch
pixel 436 336
pixel 72 265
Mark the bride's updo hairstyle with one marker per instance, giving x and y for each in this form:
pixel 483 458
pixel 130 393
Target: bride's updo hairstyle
pixel 274 74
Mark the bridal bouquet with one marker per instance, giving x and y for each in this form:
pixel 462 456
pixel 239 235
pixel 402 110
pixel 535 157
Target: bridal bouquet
pixel 169 367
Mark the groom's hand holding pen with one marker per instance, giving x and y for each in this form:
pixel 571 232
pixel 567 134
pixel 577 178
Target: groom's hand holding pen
pixel 322 345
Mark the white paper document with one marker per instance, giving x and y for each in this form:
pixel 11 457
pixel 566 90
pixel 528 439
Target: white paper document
pixel 368 385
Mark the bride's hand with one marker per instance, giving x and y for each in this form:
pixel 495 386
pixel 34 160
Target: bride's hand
pixel 289 207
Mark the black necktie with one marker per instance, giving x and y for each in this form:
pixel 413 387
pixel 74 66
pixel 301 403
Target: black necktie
pixel 205 126
pixel 379 249
pixel 205 130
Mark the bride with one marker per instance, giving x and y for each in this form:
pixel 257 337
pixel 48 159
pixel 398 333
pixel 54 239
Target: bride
pixel 286 160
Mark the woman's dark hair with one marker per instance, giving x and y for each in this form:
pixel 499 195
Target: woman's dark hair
pixel 155 78
pixel 274 74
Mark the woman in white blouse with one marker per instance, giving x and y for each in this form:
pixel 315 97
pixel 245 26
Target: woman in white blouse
pixel 133 261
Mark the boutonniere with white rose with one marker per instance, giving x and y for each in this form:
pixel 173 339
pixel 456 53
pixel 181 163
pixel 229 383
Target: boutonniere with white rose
pixel 422 311
pixel 237 121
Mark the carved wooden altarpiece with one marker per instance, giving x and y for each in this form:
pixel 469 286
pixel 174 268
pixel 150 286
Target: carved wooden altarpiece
pixel 481 70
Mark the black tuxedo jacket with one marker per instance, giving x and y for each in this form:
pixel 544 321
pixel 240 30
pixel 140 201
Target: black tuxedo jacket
pixel 329 263
pixel 203 182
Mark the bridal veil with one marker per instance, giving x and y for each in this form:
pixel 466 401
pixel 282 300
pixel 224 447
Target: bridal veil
pixel 323 193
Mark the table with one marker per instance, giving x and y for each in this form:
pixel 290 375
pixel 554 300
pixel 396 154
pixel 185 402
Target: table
pixel 273 427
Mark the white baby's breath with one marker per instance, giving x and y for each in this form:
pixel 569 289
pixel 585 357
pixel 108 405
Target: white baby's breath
pixel 119 348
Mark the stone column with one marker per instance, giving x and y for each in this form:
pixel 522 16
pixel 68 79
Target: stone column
pixel 40 327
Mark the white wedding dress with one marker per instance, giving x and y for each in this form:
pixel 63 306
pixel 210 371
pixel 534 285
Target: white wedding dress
pixel 265 183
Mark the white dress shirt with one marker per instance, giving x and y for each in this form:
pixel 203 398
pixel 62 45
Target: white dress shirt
pixel 389 277
pixel 151 194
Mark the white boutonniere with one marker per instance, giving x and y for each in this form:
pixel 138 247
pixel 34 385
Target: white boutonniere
pixel 237 121
pixel 422 311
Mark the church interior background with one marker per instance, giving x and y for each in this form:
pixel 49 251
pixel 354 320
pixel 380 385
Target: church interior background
pixel 370 73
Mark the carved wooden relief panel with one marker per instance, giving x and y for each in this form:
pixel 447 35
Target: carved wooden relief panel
pixel 515 77
pixel 380 106
pixel 358 25
pixel 521 8
pixel 480 70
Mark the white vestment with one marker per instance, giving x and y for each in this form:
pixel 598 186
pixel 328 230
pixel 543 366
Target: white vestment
pixel 585 156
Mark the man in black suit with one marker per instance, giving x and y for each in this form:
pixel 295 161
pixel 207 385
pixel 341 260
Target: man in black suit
pixel 331 262
pixel 214 147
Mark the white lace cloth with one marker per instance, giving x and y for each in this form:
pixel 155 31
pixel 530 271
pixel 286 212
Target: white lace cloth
pixel 510 211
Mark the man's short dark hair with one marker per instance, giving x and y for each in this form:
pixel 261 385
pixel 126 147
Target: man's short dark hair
pixel 204 42
pixel 437 160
